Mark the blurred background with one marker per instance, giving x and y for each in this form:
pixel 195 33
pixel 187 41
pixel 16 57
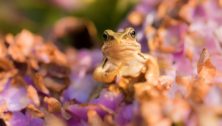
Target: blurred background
pixel 52 18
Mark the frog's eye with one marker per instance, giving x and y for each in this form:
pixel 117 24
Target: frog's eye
pixel 132 33
pixel 105 36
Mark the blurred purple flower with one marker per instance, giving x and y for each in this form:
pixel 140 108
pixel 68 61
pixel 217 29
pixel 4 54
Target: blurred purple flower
pixel 214 97
pixel 109 99
pixel 80 89
pixel 20 119
pixel 82 84
pixel 125 114
pixel 15 97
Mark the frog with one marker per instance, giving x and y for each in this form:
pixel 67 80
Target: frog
pixel 123 58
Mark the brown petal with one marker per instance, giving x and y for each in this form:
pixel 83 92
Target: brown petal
pixel 94 119
pixel 206 70
pixel 39 83
pixel 35 111
pixel 53 104
pixel 33 95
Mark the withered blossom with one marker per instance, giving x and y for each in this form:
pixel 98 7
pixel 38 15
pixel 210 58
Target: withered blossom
pixel 53 104
pixel 41 85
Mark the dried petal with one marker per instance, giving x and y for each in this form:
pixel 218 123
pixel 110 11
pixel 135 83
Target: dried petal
pixel 39 83
pixel 206 69
pixel 53 104
pixel 34 111
pixel 53 120
pixel 94 119
pixel 33 95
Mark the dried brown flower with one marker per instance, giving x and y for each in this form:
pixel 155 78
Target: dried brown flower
pixel 53 104
pixel 94 118
pixel 33 95
pixel 34 111
pixel 39 83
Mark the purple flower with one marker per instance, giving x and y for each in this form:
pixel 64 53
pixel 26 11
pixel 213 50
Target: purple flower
pixel 15 97
pixel 125 114
pixel 20 119
pixel 109 99
pixel 80 89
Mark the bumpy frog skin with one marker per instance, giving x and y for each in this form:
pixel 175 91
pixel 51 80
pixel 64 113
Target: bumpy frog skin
pixel 123 58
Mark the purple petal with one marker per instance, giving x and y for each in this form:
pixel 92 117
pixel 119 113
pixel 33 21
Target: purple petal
pixel 80 112
pixel 125 115
pixel 80 89
pixel 15 97
pixel 109 99
pixel 18 119
pixel 214 97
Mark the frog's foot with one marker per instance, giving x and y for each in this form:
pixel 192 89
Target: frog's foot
pixel 122 82
pixel 105 76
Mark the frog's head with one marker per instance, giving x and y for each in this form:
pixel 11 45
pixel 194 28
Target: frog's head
pixel 120 44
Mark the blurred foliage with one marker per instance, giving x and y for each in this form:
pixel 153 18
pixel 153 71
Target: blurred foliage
pixel 40 15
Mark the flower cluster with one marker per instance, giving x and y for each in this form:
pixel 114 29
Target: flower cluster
pixel 185 36
pixel 43 86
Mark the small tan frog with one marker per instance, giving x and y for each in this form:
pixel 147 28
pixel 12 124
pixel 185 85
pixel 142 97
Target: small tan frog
pixel 123 58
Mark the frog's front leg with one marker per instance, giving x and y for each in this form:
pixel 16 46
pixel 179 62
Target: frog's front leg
pixel 104 76
pixel 105 72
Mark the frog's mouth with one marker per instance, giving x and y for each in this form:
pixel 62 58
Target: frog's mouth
pixel 121 51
